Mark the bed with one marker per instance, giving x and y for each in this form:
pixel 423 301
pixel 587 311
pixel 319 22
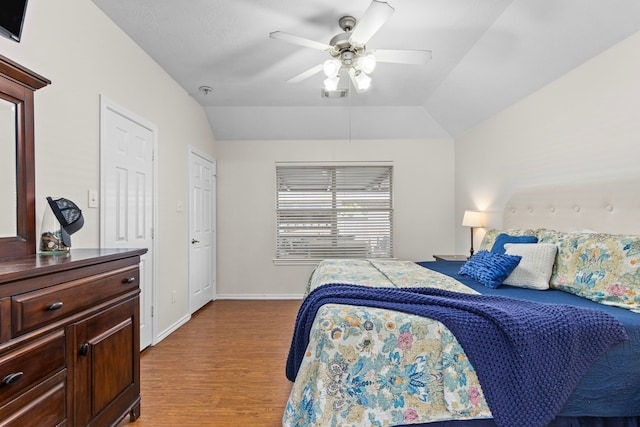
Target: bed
pixel 359 360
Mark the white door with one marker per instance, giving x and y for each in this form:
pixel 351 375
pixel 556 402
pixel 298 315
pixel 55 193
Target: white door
pixel 202 224
pixel 127 176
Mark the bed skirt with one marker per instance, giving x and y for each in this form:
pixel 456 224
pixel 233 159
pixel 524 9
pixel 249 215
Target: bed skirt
pixel 558 422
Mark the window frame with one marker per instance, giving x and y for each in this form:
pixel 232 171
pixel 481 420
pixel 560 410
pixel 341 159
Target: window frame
pixel 357 224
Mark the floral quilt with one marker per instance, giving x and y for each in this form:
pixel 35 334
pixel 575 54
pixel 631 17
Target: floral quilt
pixel 370 366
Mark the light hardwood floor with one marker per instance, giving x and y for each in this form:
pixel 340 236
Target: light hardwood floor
pixel 225 367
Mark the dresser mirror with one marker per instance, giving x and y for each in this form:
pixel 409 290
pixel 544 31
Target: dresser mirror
pixel 17 186
pixel 8 190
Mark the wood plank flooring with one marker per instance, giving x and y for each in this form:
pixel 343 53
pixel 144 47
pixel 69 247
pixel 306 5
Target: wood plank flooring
pixel 225 367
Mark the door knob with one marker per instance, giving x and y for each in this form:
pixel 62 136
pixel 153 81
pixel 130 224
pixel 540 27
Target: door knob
pixel 194 241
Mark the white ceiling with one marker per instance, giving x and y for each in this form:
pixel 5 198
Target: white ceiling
pixel 487 54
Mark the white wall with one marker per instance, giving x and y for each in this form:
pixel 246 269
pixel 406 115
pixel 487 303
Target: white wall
pixel 584 126
pixel 84 54
pixel 423 205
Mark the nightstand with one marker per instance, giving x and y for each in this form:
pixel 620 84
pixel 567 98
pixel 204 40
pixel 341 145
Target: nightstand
pixel 451 257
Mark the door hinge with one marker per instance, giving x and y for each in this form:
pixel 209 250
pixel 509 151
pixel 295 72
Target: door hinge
pixel 151 311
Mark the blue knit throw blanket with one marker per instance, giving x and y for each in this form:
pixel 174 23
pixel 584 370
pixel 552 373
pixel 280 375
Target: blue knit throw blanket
pixel 528 356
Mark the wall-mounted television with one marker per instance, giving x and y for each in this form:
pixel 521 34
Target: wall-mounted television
pixel 12 17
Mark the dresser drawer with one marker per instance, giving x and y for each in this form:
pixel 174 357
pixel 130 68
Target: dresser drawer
pixel 33 309
pixel 28 365
pixel 42 406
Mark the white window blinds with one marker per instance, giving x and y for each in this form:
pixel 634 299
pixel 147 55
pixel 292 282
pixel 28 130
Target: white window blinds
pixel 333 212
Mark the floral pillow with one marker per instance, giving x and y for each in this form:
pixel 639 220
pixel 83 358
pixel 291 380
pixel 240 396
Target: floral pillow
pixel 602 267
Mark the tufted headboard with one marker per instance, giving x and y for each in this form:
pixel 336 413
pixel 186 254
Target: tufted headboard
pixel 606 206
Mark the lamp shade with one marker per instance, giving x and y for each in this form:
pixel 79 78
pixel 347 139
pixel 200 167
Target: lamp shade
pixel 331 83
pixel 473 219
pixel 331 67
pixel 362 81
pixel 367 63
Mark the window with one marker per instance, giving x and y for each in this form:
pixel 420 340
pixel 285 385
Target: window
pixel 333 212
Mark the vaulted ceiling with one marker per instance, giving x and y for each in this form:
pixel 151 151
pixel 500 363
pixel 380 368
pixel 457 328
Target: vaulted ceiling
pixel 486 55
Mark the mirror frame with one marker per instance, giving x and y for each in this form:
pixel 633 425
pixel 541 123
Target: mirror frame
pixel 17 85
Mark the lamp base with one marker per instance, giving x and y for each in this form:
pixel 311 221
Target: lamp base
pixel 471 251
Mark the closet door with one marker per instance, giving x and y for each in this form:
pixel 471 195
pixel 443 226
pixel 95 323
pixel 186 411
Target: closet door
pixel 127 179
pixel 202 227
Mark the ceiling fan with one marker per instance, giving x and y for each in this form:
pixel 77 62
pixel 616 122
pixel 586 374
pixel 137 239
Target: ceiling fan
pixel 349 51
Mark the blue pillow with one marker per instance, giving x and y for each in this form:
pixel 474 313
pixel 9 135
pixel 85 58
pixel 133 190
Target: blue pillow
pixel 498 245
pixel 489 268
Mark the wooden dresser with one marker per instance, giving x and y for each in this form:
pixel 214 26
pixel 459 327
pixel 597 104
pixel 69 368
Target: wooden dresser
pixel 69 338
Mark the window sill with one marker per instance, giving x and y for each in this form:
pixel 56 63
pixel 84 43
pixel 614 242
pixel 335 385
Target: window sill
pixel 296 261
pixel 309 261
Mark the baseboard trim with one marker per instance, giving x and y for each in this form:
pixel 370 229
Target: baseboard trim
pixel 172 328
pixel 259 296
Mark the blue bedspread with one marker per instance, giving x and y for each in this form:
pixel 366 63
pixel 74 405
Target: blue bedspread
pixel 611 386
pixel 528 362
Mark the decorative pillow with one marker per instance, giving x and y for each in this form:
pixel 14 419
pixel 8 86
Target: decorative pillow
pixel 488 268
pixel 576 229
pixel 534 269
pixel 503 238
pixel 602 267
pixel 490 236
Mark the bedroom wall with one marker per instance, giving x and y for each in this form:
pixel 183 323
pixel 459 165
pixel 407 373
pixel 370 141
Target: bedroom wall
pixel 584 126
pixel 423 204
pixel 84 54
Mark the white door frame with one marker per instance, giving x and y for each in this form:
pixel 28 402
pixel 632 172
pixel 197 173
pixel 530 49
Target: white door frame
pixel 194 151
pixel 106 103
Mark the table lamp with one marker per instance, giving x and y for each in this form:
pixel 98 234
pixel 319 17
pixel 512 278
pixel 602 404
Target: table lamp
pixel 473 219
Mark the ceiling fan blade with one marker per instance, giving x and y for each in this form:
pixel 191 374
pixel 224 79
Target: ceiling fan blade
pixel 415 57
pixel 306 74
pixel 373 19
pixel 290 38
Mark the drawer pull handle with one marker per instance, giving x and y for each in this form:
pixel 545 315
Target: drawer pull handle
pixel 55 306
pixel 12 378
pixel 84 349
pixel 129 280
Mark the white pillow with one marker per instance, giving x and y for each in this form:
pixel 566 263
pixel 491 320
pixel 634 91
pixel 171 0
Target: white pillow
pixel 534 269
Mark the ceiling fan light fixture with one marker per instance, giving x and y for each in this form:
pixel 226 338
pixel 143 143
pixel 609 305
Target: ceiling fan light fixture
pixel 347 58
pixel 363 81
pixel 360 79
pixel 348 50
pixel 338 93
pixel 331 83
pixel 331 67
pixel 367 63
